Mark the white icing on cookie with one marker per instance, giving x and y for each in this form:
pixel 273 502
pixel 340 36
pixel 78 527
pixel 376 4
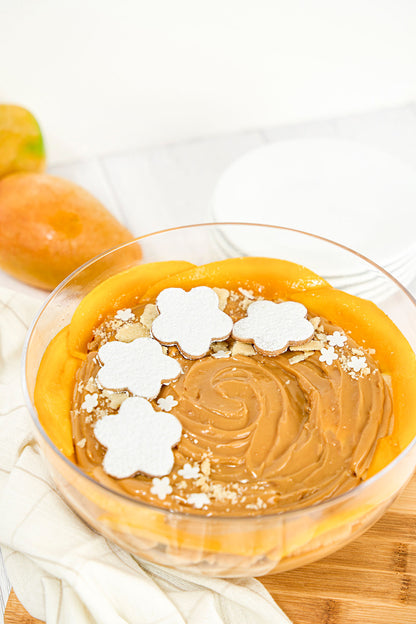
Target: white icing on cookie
pixel 191 320
pixel 272 327
pixel 139 366
pixel 138 439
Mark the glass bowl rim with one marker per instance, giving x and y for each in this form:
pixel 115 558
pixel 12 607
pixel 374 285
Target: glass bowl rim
pixel 288 514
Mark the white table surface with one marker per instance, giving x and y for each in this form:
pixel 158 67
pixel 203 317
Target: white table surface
pixel 169 185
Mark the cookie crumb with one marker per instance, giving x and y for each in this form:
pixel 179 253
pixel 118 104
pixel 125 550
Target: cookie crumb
pixel 242 348
pixel 316 321
pixel 301 357
pixel 90 386
pixel 244 303
pixel 206 467
pixel 247 294
pixel 149 314
pixel 116 399
pixel 128 333
pixel 219 346
pixel 259 504
pixel 223 295
pixel 312 345
pixel 221 354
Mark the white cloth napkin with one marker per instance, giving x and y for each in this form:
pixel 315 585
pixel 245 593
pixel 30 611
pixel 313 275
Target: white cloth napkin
pixel 62 571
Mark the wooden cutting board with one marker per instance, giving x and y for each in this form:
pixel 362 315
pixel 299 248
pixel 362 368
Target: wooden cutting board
pixel 372 580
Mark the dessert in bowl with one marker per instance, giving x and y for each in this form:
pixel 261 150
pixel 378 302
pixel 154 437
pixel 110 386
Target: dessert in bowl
pixel 231 416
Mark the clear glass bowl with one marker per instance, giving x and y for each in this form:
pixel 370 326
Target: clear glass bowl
pixel 225 546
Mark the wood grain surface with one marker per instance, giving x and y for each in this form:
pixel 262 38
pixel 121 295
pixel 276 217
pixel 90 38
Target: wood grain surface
pixel 16 614
pixel 373 579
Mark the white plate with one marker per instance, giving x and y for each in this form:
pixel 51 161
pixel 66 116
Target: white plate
pixel 342 190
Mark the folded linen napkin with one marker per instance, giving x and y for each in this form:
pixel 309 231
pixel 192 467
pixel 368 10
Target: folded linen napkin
pixel 61 570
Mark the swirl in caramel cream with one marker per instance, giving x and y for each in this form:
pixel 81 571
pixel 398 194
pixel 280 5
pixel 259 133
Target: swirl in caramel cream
pixel 267 433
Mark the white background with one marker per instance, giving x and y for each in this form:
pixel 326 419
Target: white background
pixel 108 75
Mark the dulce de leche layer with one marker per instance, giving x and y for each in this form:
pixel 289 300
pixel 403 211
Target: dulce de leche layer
pixel 260 434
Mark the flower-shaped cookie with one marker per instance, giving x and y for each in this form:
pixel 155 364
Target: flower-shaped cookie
pixel 328 355
pixel 337 339
pixel 272 327
pixel 166 403
pixel 161 487
pixel 198 500
pixel 191 320
pixel 139 366
pixel 189 471
pixel 356 363
pixel 138 439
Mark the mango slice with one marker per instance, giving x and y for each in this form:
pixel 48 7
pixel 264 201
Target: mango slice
pixel 268 277
pixel 53 392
